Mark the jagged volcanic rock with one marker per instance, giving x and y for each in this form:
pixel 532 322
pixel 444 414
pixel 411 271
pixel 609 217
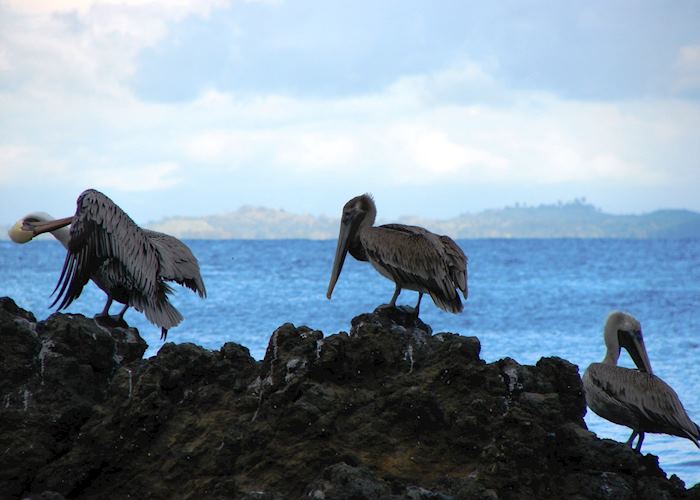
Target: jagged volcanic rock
pixel 52 375
pixel 388 410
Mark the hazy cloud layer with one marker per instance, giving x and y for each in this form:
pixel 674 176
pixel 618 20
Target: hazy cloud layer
pixel 87 100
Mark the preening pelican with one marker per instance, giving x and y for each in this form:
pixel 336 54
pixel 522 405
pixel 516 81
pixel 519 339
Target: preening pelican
pixel 131 265
pixel 100 277
pixel 634 398
pixel 412 257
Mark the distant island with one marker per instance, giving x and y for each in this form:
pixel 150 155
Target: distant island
pixel 574 219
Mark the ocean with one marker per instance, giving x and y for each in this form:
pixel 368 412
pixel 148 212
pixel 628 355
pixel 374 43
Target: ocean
pixel 527 299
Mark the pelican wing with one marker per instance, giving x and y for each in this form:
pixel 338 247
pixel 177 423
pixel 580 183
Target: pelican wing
pixel 643 397
pixel 177 262
pixel 457 262
pixel 414 255
pixel 101 230
pixel 454 256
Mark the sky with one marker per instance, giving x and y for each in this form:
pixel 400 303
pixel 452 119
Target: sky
pixel 437 108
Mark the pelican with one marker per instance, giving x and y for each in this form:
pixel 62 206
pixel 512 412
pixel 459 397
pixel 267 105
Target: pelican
pixel 130 264
pixel 634 398
pixel 100 277
pixel 412 257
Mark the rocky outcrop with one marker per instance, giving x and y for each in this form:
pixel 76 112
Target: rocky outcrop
pixel 52 375
pixel 388 410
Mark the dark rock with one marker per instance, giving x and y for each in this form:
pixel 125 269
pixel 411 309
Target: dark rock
pixel 386 411
pixel 45 495
pixel 52 374
pixel 346 482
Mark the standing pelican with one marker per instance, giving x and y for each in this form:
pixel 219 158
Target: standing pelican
pixel 101 277
pixel 131 265
pixel 635 398
pixel 412 257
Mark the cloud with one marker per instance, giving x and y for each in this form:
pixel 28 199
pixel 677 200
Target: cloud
pixel 155 177
pixel 266 2
pixel 426 154
pixel 389 138
pixel 231 149
pixel 318 150
pixel 688 69
pixel 465 82
pixel 85 6
pixel 84 46
pixel 69 116
pixel 281 148
pixel 10 157
pixel 411 133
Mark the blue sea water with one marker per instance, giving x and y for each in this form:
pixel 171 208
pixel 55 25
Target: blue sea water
pixel 527 299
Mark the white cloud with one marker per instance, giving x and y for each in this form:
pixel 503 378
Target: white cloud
pixel 155 177
pixel 212 146
pixel 48 6
pixel 423 154
pixel 542 139
pixel 5 64
pixel 84 6
pixel 10 157
pixel 70 116
pixel 465 82
pixel 82 46
pixel 266 2
pixel 231 149
pixel 277 148
pixel 688 69
pixel 407 136
pixel 317 150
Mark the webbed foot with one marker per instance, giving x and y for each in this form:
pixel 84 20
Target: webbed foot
pixel 111 321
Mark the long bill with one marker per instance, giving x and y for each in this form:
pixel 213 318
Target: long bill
pixel 38 228
pixel 634 343
pixel 341 252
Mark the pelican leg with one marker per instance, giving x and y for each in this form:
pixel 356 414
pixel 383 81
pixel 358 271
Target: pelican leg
pixel 105 311
pixel 105 319
pixel 120 317
pixel 631 439
pixel 396 295
pixel 117 320
pixel 638 448
pixel 417 308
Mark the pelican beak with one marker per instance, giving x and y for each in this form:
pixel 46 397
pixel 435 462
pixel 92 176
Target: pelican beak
pixel 634 343
pixel 19 235
pixel 340 252
pixel 37 228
